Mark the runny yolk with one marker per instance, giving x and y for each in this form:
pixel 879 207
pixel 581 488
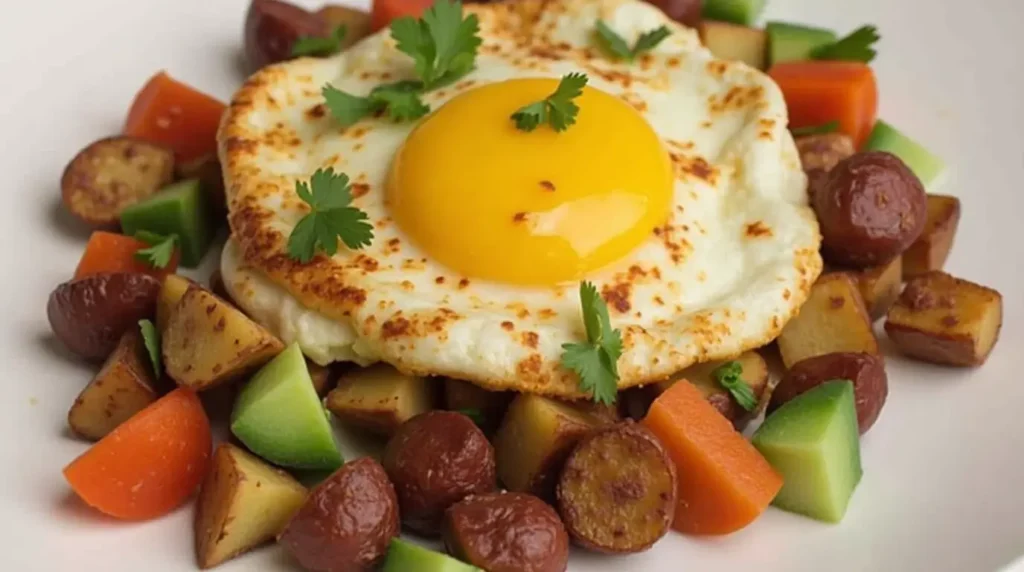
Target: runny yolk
pixel 535 208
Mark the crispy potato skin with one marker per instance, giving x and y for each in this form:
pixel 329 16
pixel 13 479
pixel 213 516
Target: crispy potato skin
pixel 435 460
pixel 271 28
pixel 506 532
pixel 617 492
pixel 91 314
pixel 931 250
pixel 866 371
pixel 686 12
pixel 879 285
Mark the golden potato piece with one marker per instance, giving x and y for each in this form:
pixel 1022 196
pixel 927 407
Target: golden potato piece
pixel 734 42
pixel 930 251
pixel 379 398
pixel 879 285
pixel 755 375
pixel 171 291
pixel 832 320
pixel 466 397
pixel 823 151
pixel 946 320
pixel 534 439
pixel 207 342
pixel 124 386
pixel 243 503
pixel 356 22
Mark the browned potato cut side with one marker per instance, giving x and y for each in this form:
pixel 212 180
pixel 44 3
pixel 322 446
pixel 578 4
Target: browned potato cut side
pixel 534 439
pixel 734 42
pixel 931 250
pixel 469 398
pixel 946 320
pixel 207 342
pixel 879 285
pixel 755 375
pixel 833 319
pixel 111 174
pixel 124 386
pixel 617 493
pixel 355 21
pixel 379 398
pixel 171 291
pixel 243 503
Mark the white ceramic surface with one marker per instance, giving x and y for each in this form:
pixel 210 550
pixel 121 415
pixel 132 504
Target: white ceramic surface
pixel 944 464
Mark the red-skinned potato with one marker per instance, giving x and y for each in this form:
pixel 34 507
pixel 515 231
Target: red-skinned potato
pixel 91 314
pixel 271 28
pixel 686 12
pixel 866 371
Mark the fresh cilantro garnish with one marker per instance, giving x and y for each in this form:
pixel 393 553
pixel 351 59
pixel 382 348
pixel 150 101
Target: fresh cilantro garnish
pixel 329 219
pixel 443 47
pixel 318 46
pixel 728 375
pixel 596 360
pixel 475 414
pixel 151 339
pixel 856 47
pixel 616 45
pixel 160 251
pixel 557 109
pixel 829 127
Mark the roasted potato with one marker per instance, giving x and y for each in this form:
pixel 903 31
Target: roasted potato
pixel 379 398
pixel 946 320
pixel 820 153
pixel 755 375
pixel 866 371
pixel 243 503
pixel 172 289
pixel 211 181
pixel 489 406
pixel 617 492
pixel 686 12
pixel 733 42
pixel 89 315
pixel 355 21
pixel 323 377
pixel 273 26
pixel 534 439
pixel 930 251
pixel 833 319
pixel 879 285
pixel 111 174
pixel 207 342
pixel 125 385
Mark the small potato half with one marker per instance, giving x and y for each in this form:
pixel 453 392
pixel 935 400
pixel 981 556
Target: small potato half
pixel 379 398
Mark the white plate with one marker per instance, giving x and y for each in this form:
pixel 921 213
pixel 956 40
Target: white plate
pixel 944 464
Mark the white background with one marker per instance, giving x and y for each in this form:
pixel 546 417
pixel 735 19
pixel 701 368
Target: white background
pixel 944 464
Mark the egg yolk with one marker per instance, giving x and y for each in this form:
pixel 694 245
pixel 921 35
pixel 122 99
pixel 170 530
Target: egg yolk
pixel 535 208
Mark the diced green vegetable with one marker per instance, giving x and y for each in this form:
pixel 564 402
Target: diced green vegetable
pixel 923 163
pixel 793 42
pixel 814 443
pixel 279 416
pixel 405 557
pixel 179 209
pixel 743 12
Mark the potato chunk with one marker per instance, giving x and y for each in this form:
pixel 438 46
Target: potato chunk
pixel 172 289
pixel 379 398
pixel 755 374
pixel 946 320
pixel 243 503
pixel 124 386
pixel 879 285
pixel 207 342
pixel 833 319
pixel 534 440
pixel 929 252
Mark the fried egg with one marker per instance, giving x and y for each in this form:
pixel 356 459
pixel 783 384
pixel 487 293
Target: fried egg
pixel 678 193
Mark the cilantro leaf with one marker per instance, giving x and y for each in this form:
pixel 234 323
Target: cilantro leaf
pixel 318 46
pixel 151 339
pixel 442 43
pixel 557 109
pixel 331 217
pixel 346 108
pixel 160 251
pixel 858 46
pixel 829 127
pixel 401 99
pixel 728 376
pixel 616 45
pixel 596 360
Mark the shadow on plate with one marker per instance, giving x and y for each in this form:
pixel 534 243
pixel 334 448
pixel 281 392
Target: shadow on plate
pixel 52 346
pixel 70 507
pixel 67 225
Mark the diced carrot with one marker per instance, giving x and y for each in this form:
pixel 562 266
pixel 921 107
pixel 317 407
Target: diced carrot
pixel 384 11
pixel 111 252
pixel 171 113
pixel 150 464
pixel 820 92
pixel 724 483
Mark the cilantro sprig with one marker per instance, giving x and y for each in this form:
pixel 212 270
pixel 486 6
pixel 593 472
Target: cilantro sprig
pixel 616 45
pixel 729 375
pixel 151 339
pixel 443 46
pixel 319 46
pixel 557 109
pixel 596 360
pixel 858 46
pixel 829 127
pixel 160 250
pixel 331 217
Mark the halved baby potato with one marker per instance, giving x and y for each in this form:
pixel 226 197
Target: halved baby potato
pixel 379 398
pixel 207 342
pixel 930 251
pixel 243 503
